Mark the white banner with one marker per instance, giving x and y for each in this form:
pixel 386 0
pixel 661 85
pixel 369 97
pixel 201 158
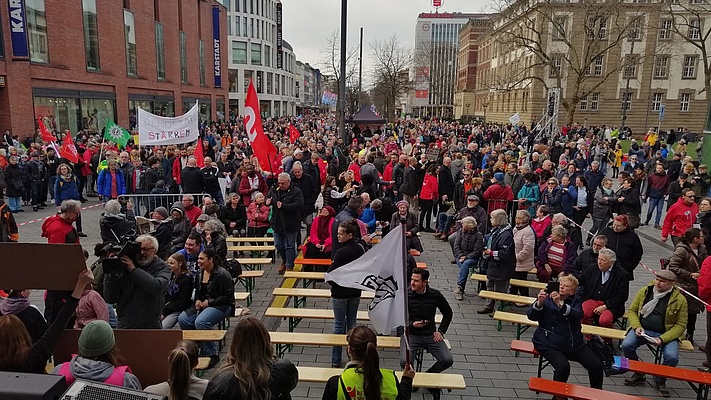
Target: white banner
pixel 156 130
pixel 515 119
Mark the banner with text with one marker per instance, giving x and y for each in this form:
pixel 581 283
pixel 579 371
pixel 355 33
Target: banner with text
pixel 156 130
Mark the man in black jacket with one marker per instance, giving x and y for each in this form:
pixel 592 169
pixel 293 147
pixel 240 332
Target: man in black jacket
pixel 287 203
pixel 604 291
pixel 191 178
pixel 423 302
pixel 587 259
pixel 399 177
pixel 445 182
pixel 210 175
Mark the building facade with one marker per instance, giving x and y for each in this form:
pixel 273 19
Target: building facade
pixel 467 65
pixel 46 72
pixel 643 71
pixel 435 59
pixel 258 52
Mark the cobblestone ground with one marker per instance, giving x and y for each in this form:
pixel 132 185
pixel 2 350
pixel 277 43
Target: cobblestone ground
pixel 481 353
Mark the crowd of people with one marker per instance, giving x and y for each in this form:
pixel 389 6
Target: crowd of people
pixel 507 201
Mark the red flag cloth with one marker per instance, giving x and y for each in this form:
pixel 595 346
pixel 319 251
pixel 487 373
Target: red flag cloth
pixel 294 134
pixel 47 136
pixel 68 150
pixel 200 153
pixel 263 149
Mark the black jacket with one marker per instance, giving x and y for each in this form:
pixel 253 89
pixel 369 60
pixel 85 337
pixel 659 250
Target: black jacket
pixel 219 289
pixel 614 293
pixel 349 251
pixel 308 190
pixel 558 328
pixel 468 244
pixel 284 378
pixel 587 259
pixel 501 264
pixel 210 175
pixel 178 295
pixel 229 214
pixel 627 247
pixel 164 235
pixel 446 182
pixel 423 306
pixel 192 180
pixel 288 217
pixel 346 215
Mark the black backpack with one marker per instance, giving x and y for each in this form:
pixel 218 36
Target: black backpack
pixel 606 353
pixel 234 268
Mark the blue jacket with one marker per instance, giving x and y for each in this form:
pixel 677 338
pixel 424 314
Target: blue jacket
pixel 368 217
pixel 103 184
pixel 66 190
pixel 558 328
pixel 568 199
pixel 532 193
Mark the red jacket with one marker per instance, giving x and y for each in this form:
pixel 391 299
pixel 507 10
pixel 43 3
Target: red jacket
pixel 58 230
pixel 680 217
pixel 193 213
pixel 245 190
pixel 429 188
pixel 498 196
pixel 356 171
pixel 177 168
pixel 704 282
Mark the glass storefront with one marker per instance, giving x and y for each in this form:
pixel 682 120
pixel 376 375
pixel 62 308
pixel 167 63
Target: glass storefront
pixel 60 113
pixel 220 109
pixel 204 107
pixel 164 107
pixel 95 113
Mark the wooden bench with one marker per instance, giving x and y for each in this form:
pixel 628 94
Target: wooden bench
pixel 251 248
pixel 415 253
pixel 295 315
pixel 204 335
pixel 506 301
pixel 266 239
pixel 241 296
pixel 523 323
pixel 247 280
pixel 422 379
pixel 540 385
pixel 253 263
pixel 513 282
pixel 697 380
pixel 300 295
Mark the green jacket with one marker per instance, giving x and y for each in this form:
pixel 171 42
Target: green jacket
pixel 676 315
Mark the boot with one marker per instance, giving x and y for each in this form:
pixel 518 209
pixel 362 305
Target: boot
pixel 459 293
pixel 282 268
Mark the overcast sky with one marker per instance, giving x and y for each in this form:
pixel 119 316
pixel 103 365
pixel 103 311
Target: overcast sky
pixel 307 23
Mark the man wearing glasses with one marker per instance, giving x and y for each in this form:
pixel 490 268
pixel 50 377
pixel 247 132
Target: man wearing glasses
pixel 680 217
pixel 139 290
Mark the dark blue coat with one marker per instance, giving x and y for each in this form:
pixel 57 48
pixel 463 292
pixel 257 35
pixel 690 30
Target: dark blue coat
pixel 558 329
pixel 103 184
pixel 66 190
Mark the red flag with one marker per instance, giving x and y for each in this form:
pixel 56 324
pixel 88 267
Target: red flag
pixel 200 154
pixel 294 134
pixel 264 150
pixel 47 136
pixel 68 150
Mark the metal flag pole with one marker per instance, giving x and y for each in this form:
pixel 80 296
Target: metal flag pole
pixel 404 288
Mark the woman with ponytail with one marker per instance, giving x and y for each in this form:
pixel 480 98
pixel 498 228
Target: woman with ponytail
pixel 182 383
pixel 363 377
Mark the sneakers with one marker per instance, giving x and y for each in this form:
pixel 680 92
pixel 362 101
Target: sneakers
pixel 81 234
pixel 485 310
pixel 662 388
pixel 635 379
pixel 459 293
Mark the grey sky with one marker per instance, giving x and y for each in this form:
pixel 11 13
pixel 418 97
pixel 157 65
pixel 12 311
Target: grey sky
pixel 307 23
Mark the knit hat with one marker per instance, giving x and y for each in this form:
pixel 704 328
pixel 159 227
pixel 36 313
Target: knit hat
pixel 162 211
pixel 96 339
pixel 178 209
pixel 499 176
pixel 402 202
pixel 666 275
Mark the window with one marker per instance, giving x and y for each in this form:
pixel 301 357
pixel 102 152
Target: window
pixel 270 81
pixel 202 62
pixel 665 29
pixel 630 69
pixel 183 57
pixel 597 69
pixel 129 31
pixel 556 64
pixel 160 52
pixel 657 101
pixel 689 67
pixel 697 1
pixel 559 27
pixel 695 29
pixel 91 35
pixel 661 67
pixel 626 101
pixel 229 26
pixel 244 27
pixel 239 52
pixel 584 104
pixel 256 54
pixel 594 101
pixel 597 28
pixel 684 100
pixel 635 29
pixel 602 24
pixel 267 56
pixel 37 31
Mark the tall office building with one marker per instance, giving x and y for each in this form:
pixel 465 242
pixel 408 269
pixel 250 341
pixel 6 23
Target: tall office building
pixel 435 62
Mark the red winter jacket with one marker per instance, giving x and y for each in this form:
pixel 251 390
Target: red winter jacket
pixel 498 196
pixel 704 282
pixel 680 217
pixel 429 188
pixel 58 230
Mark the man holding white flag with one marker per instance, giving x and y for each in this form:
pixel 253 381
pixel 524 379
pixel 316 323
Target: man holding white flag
pixel 380 270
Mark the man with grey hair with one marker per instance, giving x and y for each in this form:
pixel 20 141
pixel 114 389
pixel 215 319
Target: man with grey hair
pixel 287 203
pixel 587 259
pixel 138 290
pixel 604 290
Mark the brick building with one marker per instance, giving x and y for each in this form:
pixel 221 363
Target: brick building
pixel 76 64
pixel 467 63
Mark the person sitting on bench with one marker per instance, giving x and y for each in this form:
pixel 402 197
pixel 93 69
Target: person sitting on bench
pixel 423 302
pixel 658 316
pixel 559 338
pixel 604 290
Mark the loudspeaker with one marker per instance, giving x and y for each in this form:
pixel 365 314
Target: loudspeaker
pixel 88 390
pixel 18 386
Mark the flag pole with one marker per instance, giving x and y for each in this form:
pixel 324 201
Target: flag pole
pixel 403 224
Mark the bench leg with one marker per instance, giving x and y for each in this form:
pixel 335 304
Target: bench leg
pixel 299 302
pixel 293 323
pixel 419 354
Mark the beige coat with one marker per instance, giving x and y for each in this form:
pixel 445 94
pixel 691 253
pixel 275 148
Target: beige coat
pixel 525 242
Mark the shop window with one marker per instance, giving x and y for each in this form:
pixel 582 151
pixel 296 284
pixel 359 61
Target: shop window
pixel 91 35
pixel 37 31
pixel 129 27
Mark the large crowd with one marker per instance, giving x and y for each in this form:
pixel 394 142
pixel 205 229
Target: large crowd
pixel 507 201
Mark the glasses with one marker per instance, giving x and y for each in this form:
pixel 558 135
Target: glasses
pixel 147 249
pixel 551 183
pixel 690 196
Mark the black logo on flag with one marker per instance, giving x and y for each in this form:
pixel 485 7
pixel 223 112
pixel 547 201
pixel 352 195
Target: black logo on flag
pixel 385 288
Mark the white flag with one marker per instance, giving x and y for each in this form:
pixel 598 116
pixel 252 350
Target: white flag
pixel 380 270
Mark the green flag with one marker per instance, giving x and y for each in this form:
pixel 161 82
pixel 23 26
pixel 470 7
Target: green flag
pixel 116 133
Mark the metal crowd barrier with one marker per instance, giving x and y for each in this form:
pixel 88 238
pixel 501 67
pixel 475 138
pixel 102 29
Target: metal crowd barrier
pixel 144 204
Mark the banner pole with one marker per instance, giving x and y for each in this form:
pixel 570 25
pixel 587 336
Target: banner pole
pixel 404 288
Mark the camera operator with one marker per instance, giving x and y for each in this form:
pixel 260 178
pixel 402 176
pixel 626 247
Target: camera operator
pixel 138 290
pixel 115 224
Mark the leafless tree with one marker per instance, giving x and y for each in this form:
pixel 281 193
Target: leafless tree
pixel 391 63
pixel 686 21
pixel 331 60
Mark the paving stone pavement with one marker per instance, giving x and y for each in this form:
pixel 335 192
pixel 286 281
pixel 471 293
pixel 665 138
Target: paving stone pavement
pixel 481 353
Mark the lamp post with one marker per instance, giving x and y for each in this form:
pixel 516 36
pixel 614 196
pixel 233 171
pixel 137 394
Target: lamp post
pixel 342 83
pixel 627 86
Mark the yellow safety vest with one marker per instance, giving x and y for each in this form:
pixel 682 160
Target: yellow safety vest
pixel 350 385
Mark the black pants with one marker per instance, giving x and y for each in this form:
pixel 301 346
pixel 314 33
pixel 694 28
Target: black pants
pixel 517 290
pixel 691 325
pixel 561 364
pixel 426 213
pixel 708 337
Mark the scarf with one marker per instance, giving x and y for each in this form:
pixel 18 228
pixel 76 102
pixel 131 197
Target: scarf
pixel 67 177
pixel 323 222
pixel 649 307
pixel 700 216
pixel 14 305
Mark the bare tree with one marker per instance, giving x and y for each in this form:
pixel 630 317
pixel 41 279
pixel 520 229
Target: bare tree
pixel 391 62
pixel 575 46
pixel 331 60
pixel 686 24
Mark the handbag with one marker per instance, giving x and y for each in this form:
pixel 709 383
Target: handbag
pixel 634 220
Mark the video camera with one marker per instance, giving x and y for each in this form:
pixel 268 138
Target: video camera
pixel 112 252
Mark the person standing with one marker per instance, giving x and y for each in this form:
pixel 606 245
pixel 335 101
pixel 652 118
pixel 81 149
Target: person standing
pixel 287 202
pixel 211 177
pixel 66 187
pixel 602 208
pixel 110 183
pixel 525 244
pixel 499 257
pixel 192 179
pixel 625 243
pixel 658 183
pixel 680 217
pixel 37 172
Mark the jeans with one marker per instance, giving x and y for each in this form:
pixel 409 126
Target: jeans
pixel 204 319
pixel 561 364
pixel 113 322
pixel 344 311
pixel 170 320
pixel 501 286
pixel 438 350
pixel 670 351
pixel 15 203
pixel 464 271
pixel 37 187
pixel 52 181
pixel 659 205
pixel 285 243
pixel 444 222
